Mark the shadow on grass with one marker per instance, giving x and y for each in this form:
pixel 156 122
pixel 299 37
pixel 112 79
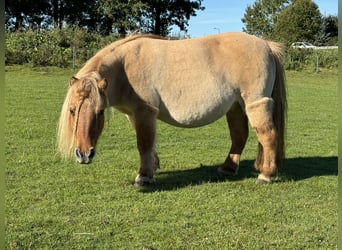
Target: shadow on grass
pixel 295 169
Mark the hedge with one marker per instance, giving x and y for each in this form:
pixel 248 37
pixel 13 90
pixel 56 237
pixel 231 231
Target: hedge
pixel 299 59
pixel 71 47
pixel 62 48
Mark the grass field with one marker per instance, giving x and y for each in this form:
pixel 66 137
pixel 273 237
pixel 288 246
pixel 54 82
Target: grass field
pixel 55 204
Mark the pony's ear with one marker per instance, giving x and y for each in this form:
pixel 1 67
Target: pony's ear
pixel 102 84
pixel 72 80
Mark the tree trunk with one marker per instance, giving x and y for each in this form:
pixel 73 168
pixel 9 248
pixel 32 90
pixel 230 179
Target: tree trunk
pixel 55 13
pixel 157 20
pixel 18 22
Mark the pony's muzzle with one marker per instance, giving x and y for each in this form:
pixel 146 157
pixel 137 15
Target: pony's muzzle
pixel 84 158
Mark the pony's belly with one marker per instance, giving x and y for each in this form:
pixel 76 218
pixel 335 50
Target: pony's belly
pixel 194 116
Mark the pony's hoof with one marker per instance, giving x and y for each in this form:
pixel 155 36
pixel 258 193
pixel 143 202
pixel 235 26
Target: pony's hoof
pixel 262 179
pixel 141 181
pixel 227 172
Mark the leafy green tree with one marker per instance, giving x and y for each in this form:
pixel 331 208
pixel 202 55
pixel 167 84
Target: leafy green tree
pixel 261 17
pixel 162 14
pixel 329 31
pixel 80 13
pixel 301 21
pixel 121 15
pixel 23 14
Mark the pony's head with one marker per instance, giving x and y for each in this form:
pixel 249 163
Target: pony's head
pixel 82 118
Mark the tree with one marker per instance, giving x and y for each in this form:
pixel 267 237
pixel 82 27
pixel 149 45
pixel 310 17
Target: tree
pixel 329 30
pixel 300 21
pixel 122 15
pixel 23 14
pixel 261 17
pixel 162 14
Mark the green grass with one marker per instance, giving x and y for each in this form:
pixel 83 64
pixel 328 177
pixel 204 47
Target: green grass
pixel 56 204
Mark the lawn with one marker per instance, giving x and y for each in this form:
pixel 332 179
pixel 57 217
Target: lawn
pixel 56 204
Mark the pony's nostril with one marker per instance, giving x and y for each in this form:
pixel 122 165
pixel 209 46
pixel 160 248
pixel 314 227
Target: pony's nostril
pixel 91 153
pixel 78 155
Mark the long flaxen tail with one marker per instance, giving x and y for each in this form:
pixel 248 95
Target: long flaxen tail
pixel 280 105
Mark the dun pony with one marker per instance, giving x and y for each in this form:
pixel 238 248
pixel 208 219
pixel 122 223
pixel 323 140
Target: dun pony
pixel 186 83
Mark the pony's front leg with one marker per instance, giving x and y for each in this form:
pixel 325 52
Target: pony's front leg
pixel 131 119
pixel 145 126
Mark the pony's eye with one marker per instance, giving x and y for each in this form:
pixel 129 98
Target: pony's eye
pixel 101 112
pixel 72 111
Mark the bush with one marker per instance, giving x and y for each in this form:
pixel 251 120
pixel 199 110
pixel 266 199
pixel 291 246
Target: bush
pixel 62 48
pixel 328 58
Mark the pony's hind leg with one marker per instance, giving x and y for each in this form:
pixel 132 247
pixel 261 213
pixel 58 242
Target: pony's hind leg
pixel 238 128
pixel 145 127
pixel 260 114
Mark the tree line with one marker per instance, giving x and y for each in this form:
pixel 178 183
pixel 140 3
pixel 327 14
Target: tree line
pixel 280 20
pixel 101 16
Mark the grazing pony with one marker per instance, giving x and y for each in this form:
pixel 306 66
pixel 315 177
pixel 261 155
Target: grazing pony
pixel 185 83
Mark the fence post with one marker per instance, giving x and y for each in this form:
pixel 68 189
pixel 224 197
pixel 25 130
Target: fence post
pixel 73 57
pixel 317 62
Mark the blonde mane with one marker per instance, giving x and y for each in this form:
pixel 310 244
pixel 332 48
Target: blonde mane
pixel 65 132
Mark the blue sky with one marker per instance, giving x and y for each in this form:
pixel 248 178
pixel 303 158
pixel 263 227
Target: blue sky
pixel 225 15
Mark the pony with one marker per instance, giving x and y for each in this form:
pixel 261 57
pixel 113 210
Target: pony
pixel 185 83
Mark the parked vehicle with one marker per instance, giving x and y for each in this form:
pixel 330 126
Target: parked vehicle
pixel 303 45
pixel 306 45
